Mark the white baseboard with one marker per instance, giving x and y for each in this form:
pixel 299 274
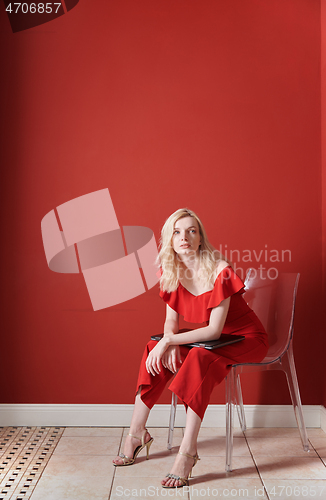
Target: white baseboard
pixel 83 415
pixel 323 418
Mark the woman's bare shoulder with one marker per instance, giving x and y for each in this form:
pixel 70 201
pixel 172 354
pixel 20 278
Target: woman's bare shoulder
pixel 221 264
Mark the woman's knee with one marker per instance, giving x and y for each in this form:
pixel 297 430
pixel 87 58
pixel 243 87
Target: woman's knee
pixel 200 354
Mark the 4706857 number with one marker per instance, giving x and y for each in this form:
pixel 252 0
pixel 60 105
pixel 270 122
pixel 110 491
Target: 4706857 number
pixel 33 8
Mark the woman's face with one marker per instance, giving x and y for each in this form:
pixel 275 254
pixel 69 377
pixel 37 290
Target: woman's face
pixel 186 236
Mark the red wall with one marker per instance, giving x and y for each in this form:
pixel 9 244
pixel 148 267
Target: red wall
pixel 323 149
pixel 214 105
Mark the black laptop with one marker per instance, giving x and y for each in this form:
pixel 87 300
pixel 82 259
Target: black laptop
pixel 225 339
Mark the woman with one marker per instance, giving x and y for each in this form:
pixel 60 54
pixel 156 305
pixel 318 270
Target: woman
pixel 198 283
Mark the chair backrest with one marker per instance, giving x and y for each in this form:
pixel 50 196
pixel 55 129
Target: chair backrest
pixel 273 301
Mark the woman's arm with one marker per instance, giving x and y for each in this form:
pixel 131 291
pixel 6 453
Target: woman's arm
pixel 171 358
pixel 170 355
pixel 210 332
pixel 171 325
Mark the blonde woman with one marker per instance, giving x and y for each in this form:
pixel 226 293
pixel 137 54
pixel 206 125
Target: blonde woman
pixel 200 285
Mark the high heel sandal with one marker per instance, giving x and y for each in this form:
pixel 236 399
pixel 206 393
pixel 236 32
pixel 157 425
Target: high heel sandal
pixel 184 480
pixel 130 461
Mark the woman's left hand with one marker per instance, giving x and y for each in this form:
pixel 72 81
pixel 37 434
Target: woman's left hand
pixel 153 361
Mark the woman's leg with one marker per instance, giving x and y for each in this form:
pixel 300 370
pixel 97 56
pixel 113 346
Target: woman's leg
pixel 152 386
pixel 183 464
pixel 137 428
pixel 202 370
pixel 149 390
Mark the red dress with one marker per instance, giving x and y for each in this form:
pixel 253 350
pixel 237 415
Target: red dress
pixel 202 369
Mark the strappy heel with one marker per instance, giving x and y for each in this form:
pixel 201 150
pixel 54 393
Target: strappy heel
pixel 129 460
pixel 183 480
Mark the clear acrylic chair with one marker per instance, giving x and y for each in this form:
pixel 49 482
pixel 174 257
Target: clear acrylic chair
pixel 273 301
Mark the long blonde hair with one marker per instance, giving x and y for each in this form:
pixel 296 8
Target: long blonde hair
pixel 168 258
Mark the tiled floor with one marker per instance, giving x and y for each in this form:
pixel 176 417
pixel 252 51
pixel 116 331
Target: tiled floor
pixel 76 464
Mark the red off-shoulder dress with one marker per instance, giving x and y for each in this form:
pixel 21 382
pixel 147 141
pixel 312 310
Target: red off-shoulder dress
pixel 202 369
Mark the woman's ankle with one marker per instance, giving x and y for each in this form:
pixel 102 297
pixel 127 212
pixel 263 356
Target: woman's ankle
pixel 188 448
pixel 137 431
pixel 189 454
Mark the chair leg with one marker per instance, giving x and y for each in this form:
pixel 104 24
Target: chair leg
pixel 291 376
pixel 239 400
pixel 230 401
pixel 172 419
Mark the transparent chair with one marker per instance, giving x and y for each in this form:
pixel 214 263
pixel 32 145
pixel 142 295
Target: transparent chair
pixel 273 301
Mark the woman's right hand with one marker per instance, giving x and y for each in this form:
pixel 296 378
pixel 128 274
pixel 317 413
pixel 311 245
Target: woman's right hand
pixel 171 359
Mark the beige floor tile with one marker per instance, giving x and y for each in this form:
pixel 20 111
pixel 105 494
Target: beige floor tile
pixel 273 432
pixel 143 488
pixel 93 431
pixel 319 444
pixel 80 466
pixel 216 446
pixel 241 488
pixel 86 488
pixel 218 431
pixel 215 467
pixel 297 489
pixel 315 431
pixel 159 445
pixel 88 446
pixel 279 447
pixel 290 467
